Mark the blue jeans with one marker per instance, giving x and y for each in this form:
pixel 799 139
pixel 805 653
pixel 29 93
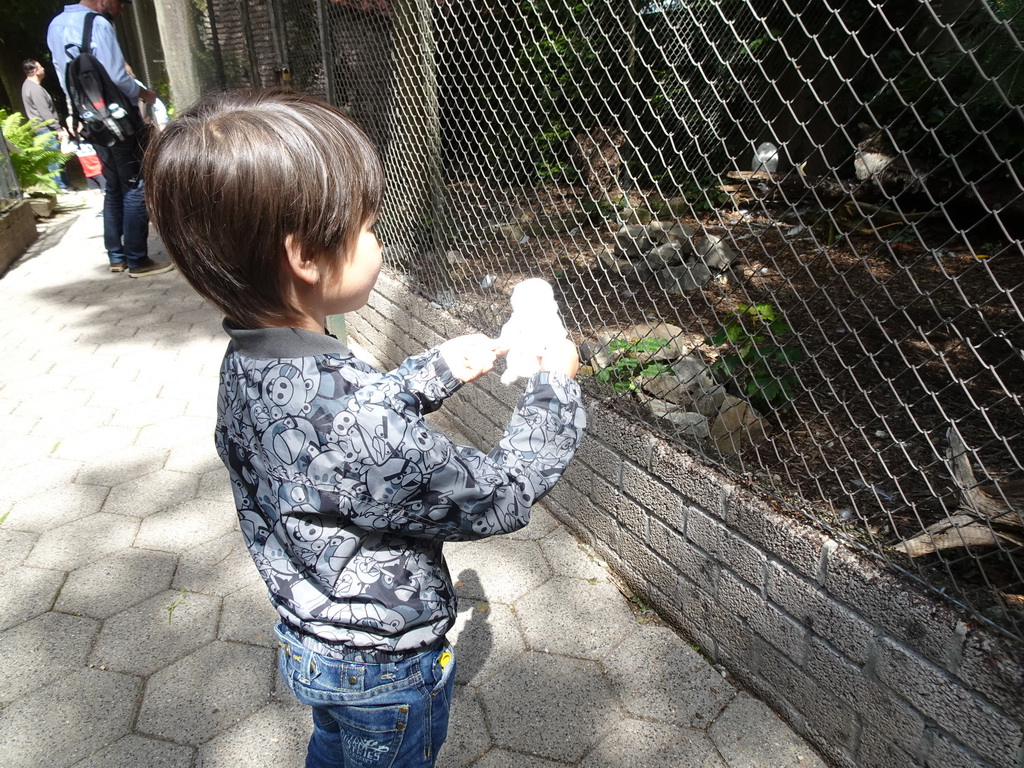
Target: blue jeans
pixel 371 715
pixel 125 219
pixel 53 143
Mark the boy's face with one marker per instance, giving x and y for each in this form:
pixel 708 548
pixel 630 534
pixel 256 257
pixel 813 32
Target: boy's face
pixel 349 287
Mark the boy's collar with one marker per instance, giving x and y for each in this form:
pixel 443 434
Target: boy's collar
pixel 283 342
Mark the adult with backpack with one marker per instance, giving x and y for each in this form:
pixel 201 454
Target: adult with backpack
pixel 102 101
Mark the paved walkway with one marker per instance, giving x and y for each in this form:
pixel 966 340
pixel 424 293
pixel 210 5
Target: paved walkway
pixel 135 632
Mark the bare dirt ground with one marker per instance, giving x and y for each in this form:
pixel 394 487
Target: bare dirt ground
pixel 905 332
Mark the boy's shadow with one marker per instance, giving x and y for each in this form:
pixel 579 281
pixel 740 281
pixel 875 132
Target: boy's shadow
pixel 476 639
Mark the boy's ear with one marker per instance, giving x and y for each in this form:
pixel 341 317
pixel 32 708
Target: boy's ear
pixel 306 270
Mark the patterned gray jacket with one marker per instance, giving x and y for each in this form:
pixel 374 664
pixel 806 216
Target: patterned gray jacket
pixel 345 495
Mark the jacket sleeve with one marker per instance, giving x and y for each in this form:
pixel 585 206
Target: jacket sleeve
pixel 427 377
pixel 406 478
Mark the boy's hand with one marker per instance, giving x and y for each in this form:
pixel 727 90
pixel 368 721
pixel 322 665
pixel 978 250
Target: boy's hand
pixel 470 357
pixel 561 356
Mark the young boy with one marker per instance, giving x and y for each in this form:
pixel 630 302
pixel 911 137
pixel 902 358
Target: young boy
pixel 266 202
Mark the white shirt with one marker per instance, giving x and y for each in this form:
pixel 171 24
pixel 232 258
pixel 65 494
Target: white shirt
pixel 69 28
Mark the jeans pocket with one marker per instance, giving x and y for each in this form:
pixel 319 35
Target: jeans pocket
pixel 370 737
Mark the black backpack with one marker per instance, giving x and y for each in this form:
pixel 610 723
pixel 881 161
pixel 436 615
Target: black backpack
pixel 101 114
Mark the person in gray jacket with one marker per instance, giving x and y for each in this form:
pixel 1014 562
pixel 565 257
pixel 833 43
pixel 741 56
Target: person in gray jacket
pixel 39 106
pixel 266 201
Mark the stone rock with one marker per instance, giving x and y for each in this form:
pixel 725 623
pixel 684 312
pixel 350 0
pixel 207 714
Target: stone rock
pixel 601 355
pixel 637 216
pixel 676 206
pixel 689 423
pixel 513 233
pixel 672 232
pixel 715 252
pixel 738 426
pixel 690 386
pixel 665 255
pixel 685 277
pixel 549 224
pixel 632 241
pixel 672 334
pixel 610 260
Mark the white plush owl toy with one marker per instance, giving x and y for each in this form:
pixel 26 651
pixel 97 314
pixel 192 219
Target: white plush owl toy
pixel 535 322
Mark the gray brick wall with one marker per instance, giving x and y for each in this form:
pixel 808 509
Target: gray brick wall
pixel 862 662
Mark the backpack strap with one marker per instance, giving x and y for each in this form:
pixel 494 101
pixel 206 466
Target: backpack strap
pixel 86 45
pixel 87 34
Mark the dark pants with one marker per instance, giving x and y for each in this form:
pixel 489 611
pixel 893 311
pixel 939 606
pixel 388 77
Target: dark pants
pixel 125 220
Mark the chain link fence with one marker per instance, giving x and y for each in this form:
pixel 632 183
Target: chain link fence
pixel 787 235
pixel 10 189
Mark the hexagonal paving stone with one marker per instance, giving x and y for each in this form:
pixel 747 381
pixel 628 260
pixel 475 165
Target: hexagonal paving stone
pixel 591 618
pixel 149 636
pixel 121 466
pixel 504 758
pixel 26 389
pixel 75 361
pixel 541 524
pixel 524 716
pixel 207 692
pixel 28 592
pixel 19 369
pixel 503 569
pixel 568 556
pixel 71 421
pixel 198 457
pixel 83 541
pixel 42 650
pixel 86 445
pixel 151 411
pixel 248 616
pixel 177 431
pixel 218 567
pixel 135 750
pixel 25 449
pixel 74 699
pixel 276 735
pixel 15 546
pixel 686 689
pixel 748 734
pixel 148 494
pixel 467 731
pixel 116 582
pixel 56 507
pixel 638 744
pixel 107 379
pixel 215 485
pixel 486 638
pixel 120 395
pixel 36 476
pixel 185 525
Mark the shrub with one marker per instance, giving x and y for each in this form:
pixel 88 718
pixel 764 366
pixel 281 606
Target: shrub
pixel 31 157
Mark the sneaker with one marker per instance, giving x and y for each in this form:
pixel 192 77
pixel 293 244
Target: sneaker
pixel 119 266
pixel 150 267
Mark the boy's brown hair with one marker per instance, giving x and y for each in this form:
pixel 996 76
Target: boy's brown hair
pixel 232 177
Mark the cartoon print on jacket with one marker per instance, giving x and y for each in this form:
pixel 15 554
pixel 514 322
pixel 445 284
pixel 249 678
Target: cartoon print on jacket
pixel 345 495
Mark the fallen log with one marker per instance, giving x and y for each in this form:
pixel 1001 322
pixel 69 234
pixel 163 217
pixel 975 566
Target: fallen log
pixel 985 516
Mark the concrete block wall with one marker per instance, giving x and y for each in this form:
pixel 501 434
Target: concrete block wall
pixel 859 660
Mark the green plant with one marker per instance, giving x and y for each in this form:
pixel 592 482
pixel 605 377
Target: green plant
pixel 633 363
pixel 180 601
pixel 32 158
pixel 753 357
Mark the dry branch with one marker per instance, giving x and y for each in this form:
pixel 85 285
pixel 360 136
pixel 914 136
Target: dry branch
pixel 982 519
